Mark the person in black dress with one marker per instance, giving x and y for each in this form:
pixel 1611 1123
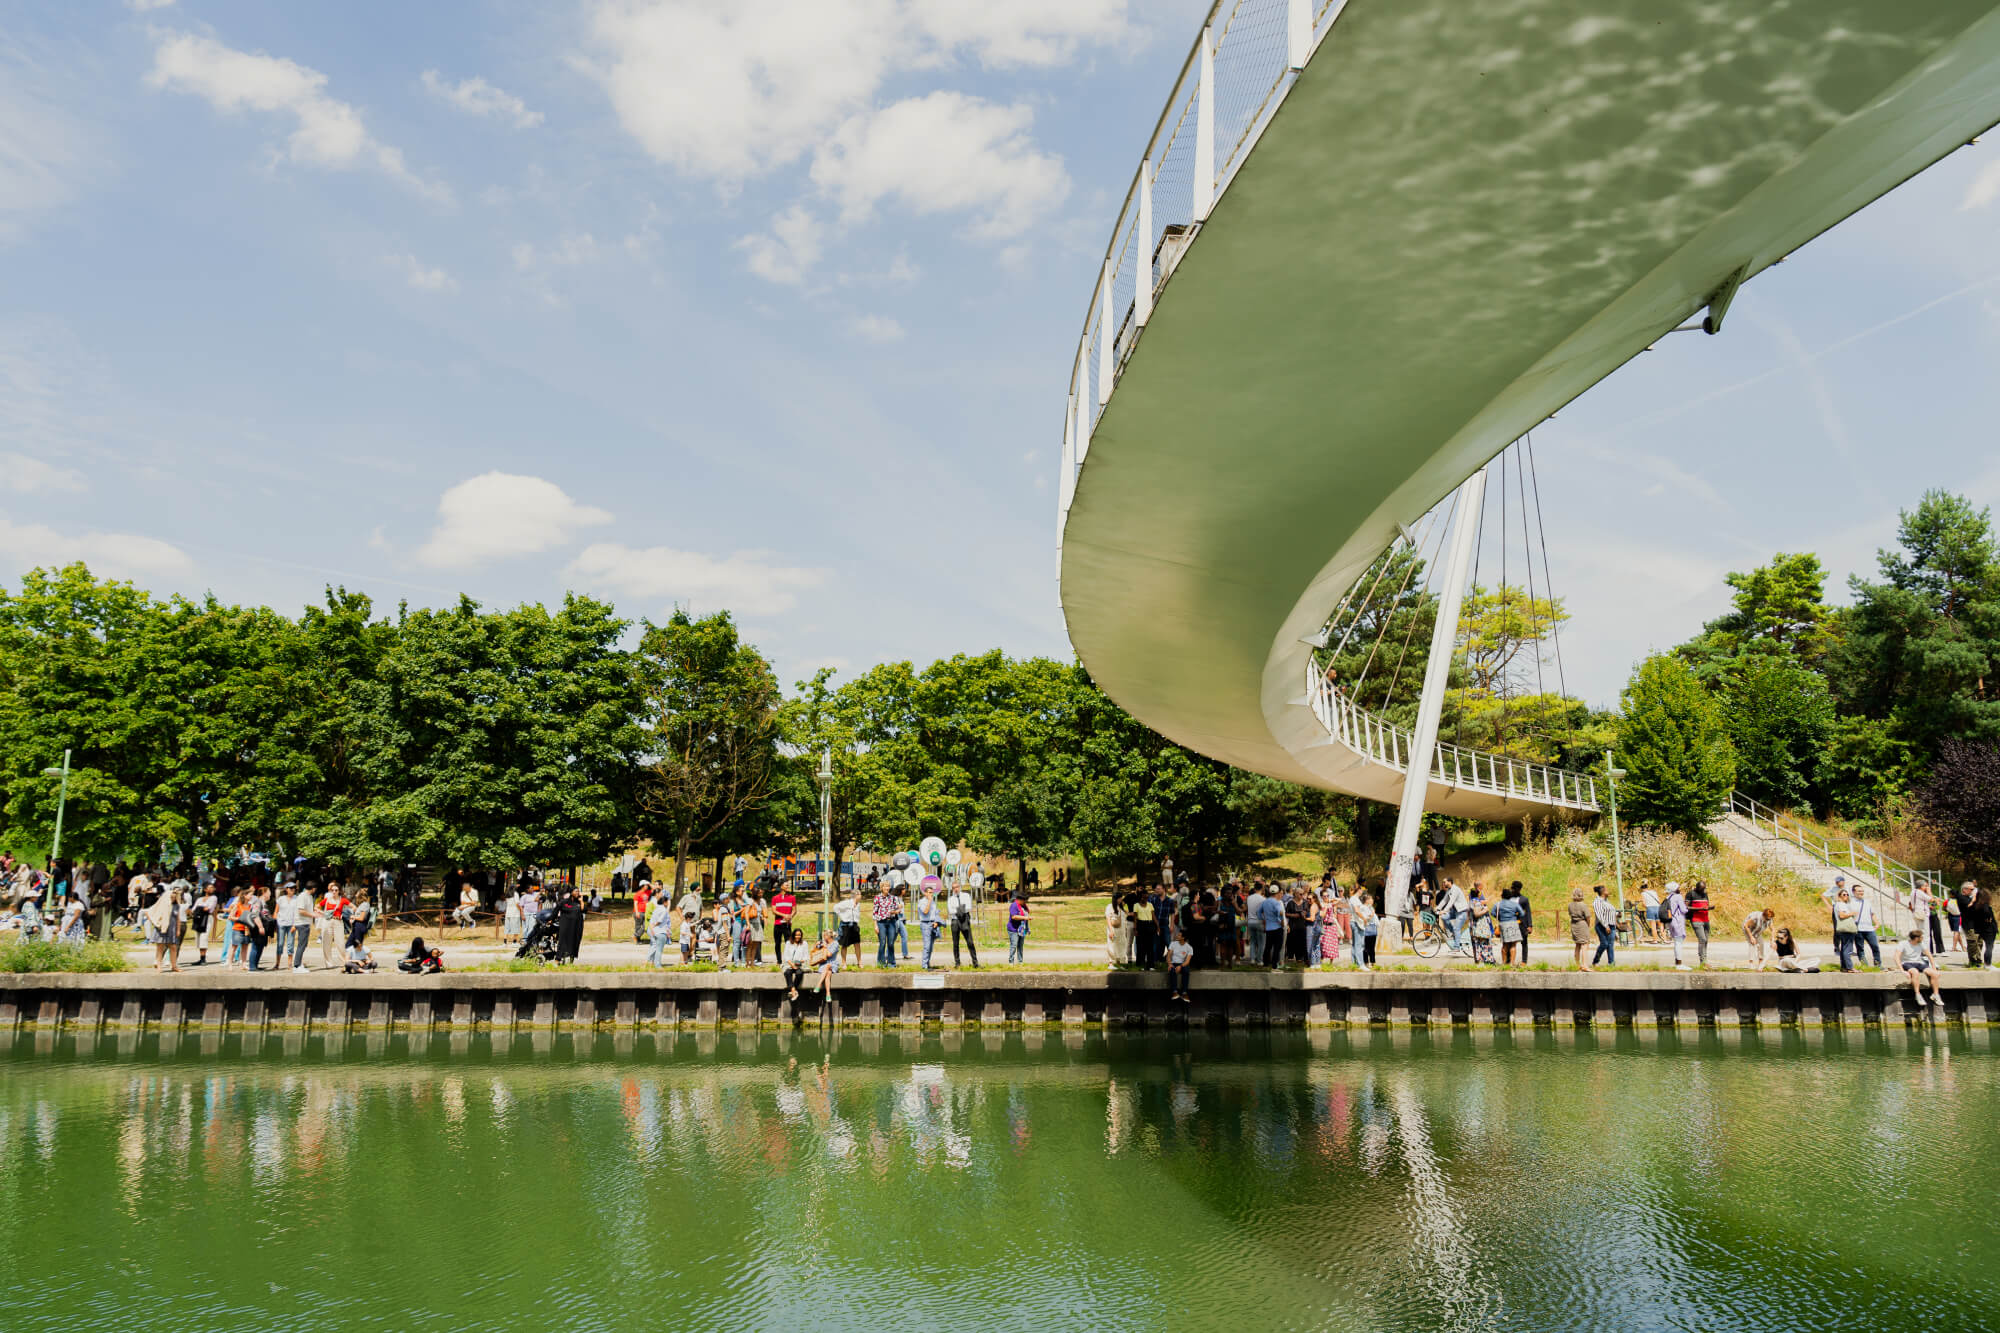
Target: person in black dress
pixel 569 928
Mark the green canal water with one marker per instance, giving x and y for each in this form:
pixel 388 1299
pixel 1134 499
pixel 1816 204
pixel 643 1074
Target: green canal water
pixel 1002 1181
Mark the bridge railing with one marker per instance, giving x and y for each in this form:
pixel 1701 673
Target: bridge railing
pixel 1384 743
pixel 1242 64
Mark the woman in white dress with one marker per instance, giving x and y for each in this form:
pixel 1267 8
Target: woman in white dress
pixel 1114 933
pixel 510 923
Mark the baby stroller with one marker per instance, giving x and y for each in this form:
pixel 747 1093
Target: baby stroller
pixel 540 941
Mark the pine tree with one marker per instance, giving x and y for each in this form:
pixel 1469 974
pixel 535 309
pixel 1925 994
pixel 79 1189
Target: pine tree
pixel 1674 745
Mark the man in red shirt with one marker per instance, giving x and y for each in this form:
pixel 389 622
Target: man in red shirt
pixel 783 905
pixel 642 898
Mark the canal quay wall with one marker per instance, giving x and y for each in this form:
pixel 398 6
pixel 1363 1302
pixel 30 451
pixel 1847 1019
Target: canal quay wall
pixel 329 1002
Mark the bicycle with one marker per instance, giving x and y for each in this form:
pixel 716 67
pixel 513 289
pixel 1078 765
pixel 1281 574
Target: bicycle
pixel 1431 936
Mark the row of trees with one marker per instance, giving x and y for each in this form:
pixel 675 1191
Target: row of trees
pixel 476 737
pixel 1884 707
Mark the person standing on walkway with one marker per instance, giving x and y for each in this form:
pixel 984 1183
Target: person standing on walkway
pixel 1507 919
pixel 1017 926
pixel 959 908
pixel 1114 932
pixel 642 913
pixel 1604 920
pixel 1652 901
pixel 163 924
pixel 1756 927
pixel 1363 928
pixel 1844 917
pixel 199 920
pixel 1144 912
pixel 1864 927
pixel 1698 922
pixel 333 906
pixel 930 923
pixel 510 915
pixel 659 928
pixel 1527 918
pixel 1274 929
pixel 886 910
pixel 1675 911
pixel 1580 917
pixel 1954 919
pixel 1976 911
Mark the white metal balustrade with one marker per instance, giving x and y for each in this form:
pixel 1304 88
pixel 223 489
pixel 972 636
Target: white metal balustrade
pixel 1234 78
pixel 1384 743
pixel 1889 881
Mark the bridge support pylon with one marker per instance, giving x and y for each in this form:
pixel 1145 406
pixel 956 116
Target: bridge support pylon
pixel 1430 705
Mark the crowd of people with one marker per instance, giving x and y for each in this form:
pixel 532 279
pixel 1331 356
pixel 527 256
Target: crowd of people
pixel 259 917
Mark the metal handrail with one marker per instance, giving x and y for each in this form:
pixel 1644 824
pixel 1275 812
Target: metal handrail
pixel 1892 880
pixel 1454 766
pixel 1112 324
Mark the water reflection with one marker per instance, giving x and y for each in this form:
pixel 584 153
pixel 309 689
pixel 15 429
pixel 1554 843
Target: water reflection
pixel 1373 1180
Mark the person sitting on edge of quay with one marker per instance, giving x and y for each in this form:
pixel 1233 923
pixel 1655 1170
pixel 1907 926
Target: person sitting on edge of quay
pixel 847 916
pixel 1755 927
pixel 1180 955
pixel 1919 967
pixel 825 959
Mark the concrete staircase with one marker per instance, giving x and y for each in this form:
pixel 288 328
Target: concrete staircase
pixel 1775 839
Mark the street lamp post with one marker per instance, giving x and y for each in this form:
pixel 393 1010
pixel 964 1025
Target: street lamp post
pixel 1617 852
pixel 825 832
pixel 62 799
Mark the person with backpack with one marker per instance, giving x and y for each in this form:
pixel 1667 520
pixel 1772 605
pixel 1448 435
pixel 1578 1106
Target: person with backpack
pixel 1675 909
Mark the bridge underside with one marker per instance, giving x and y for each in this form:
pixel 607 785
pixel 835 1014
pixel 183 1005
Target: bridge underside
pixel 1461 217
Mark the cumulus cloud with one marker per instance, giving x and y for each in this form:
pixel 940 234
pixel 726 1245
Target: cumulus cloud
pixel 876 329
pixel 477 97
pixel 31 476
pixel 500 514
pixel 788 250
pixel 109 554
pixel 328 132
pixel 943 153
pixel 749 583
pixel 421 278
pixel 728 92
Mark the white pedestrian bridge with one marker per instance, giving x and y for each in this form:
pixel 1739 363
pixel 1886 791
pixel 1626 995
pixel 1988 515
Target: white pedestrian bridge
pixel 1371 244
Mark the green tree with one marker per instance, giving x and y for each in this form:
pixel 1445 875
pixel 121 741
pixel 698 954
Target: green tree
pixel 712 730
pixel 1779 716
pixel 1675 748
pixel 1921 647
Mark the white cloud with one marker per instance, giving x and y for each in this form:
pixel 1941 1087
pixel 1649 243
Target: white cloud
pixel 146 6
pixel 31 476
pixel 479 98
pixel 732 91
pixel 421 278
pixel 577 247
pixel 943 153
pixel 876 329
pixel 43 151
pixel 109 554
pixel 329 133
pixel 499 514
pixel 791 247
pixel 747 582
pixel 1985 187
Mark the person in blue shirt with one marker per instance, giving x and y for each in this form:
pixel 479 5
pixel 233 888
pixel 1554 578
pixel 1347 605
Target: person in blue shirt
pixel 1272 910
pixel 1507 920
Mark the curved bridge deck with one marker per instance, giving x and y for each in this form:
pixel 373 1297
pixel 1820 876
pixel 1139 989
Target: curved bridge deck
pixel 1451 221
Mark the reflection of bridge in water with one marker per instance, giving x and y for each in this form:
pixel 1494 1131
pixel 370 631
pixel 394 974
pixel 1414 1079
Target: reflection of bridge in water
pixel 1371 244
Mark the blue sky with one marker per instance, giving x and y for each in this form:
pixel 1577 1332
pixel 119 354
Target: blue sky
pixel 771 307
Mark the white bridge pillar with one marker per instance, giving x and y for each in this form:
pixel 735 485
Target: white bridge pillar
pixel 1437 672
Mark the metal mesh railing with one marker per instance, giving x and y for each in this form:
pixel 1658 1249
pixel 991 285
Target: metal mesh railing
pixel 1237 74
pixel 1382 742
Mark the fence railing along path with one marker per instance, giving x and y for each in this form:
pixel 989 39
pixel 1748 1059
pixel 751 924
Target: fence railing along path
pixel 1889 882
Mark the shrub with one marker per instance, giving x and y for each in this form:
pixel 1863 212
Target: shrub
pixel 54 956
pixel 1672 740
